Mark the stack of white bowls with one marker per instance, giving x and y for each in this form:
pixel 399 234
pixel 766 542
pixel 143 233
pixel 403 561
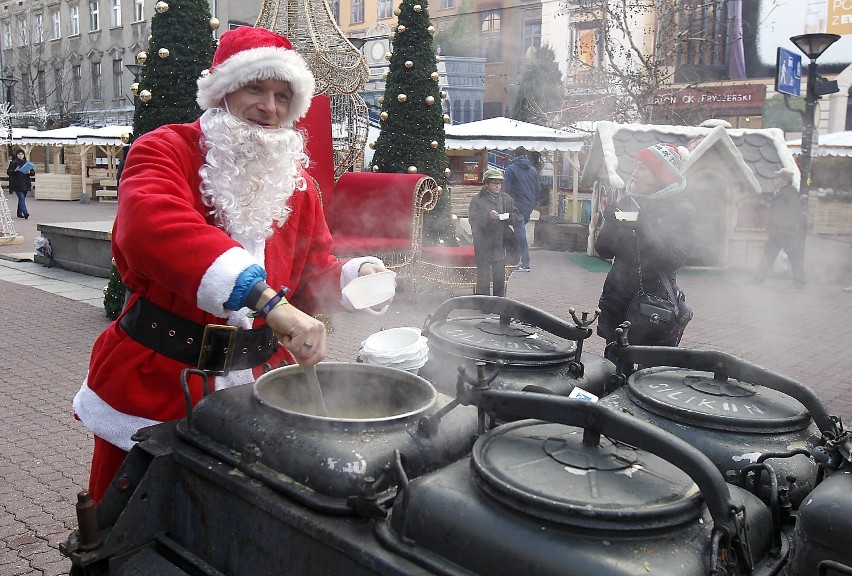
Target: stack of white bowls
pixel 402 348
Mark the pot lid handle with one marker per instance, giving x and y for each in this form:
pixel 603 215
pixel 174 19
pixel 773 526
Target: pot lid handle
pixel 724 366
pixel 508 308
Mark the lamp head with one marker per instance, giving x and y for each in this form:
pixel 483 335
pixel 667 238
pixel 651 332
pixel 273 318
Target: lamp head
pixel 813 45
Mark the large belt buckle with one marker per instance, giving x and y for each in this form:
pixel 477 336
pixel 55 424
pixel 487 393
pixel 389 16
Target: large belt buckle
pixel 217 349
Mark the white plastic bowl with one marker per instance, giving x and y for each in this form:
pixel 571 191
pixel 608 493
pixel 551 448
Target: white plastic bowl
pixel 372 289
pixel 394 342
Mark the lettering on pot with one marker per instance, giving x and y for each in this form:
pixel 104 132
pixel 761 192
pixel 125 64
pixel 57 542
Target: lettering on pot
pixel 689 397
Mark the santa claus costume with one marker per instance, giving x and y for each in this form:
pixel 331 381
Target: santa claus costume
pixel 200 204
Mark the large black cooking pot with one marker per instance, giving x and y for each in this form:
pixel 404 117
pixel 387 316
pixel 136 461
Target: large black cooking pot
pixel 541 351
pixel 337 463
pixel 590 492
pixel 747 420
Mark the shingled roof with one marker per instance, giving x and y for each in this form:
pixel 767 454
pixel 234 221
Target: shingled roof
pixel 615 147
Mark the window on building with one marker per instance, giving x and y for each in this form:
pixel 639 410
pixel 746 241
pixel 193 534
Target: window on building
pixel 7 35
pixel 97 92
pixel 94 16
pixel 704 26
pixel 532 36
pixel 448 3
pixel 117 83
pixel 115 13
pixel 55 25
pixel 23 37
pixel 77 83
pixel 477 111
pixel 466 112
pixel 74 19
pixel 456 117
pixel 58 80
pixel 490 40
pixel 385 8
pixel 26 90
pixel 41 85
pixel 334 6
pixel 138 10
pixel 38 28
pixel 586 47
pixel 357 12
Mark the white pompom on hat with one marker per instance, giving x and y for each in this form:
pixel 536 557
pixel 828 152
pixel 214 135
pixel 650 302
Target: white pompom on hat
pixel 247 54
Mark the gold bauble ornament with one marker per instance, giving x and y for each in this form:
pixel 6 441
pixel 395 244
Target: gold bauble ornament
pixel 385 75
pixel 142 57
pixel 402 98
pixel 205 73
pixel 383 115
pixel 145 96
pixel 433 76
pixel 431 30
pixel 401 28
pixel 433 144
pixel 409 64
pixel 447 172
pixel 397 12
pixel 392 35
pixel 412 169
pixel 381 99
pixel 445 118
pixel 372 145
pixel 161 7
pixel 163 52
pixel 430 100
pixel 125 137
pixel 375 168
pixel 214 23
pixel 439 189
pixel 443 93
pixel 418 8
pixel 134 88
pixel 388 56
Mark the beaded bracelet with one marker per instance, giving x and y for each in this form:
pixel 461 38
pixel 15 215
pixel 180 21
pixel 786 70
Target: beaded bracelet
pixel 277 300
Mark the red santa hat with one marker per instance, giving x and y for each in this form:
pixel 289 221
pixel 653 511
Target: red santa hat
pixel 664 161
pixel 246 54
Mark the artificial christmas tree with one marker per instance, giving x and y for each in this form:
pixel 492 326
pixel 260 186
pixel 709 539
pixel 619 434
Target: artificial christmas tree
pixel 412 119
pixel 180 48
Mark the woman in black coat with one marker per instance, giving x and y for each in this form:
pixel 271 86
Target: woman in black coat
pixel 654 229
pixel 19 182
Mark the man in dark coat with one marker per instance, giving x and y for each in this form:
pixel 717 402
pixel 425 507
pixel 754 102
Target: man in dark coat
pixel 649 232
pixel 521 183
pixel 786 229
pixel 490 212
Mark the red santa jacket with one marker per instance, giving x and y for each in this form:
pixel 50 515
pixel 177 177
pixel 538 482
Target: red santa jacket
pixel 169 252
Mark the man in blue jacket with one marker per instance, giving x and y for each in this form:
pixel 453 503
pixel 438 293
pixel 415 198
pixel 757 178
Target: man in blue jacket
pixel 521 183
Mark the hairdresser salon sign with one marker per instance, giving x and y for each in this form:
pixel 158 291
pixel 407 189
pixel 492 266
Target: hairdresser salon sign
pixel 745 98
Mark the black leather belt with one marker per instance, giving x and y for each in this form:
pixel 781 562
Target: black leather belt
pixel 212 348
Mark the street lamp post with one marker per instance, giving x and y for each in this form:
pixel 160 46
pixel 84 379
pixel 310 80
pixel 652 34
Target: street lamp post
pixel 812 46
pixel 9 83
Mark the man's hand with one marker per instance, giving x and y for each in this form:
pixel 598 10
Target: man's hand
pixel 304 336
pixel 370 268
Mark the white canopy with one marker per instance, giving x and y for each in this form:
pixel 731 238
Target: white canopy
pixel 506 134
pixel 834 144
pixel 71 135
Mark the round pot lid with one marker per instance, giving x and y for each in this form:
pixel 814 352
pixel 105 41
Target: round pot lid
pixel 480 338
pixel 545 470
pixel 697 398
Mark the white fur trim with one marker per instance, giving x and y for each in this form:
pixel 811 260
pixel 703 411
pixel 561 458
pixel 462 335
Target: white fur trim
pixel 259 64
pixel 105 421
pixel 349 272
pixel 219 280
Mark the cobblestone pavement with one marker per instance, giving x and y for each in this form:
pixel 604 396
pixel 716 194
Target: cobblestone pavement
pixel 51 318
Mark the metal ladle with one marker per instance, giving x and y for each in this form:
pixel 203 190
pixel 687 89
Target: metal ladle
pixel 316 391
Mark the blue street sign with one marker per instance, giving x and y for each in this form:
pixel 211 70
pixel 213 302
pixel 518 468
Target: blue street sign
pixel 788 72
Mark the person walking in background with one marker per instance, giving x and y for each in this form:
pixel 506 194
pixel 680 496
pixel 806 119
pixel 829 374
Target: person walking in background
pixel 521 183
pixel 490 213
pixel 785 230
pixel 648 233
pixel 20 171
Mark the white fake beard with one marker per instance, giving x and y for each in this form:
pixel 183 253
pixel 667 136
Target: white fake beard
pixel 249 174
